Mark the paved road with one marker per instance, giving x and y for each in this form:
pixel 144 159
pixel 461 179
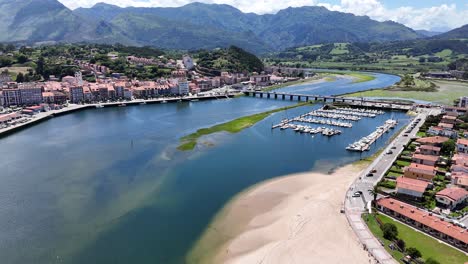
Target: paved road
pixel 355 206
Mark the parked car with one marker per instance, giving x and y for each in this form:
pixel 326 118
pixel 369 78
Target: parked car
pixel 370 174
pixel 357 194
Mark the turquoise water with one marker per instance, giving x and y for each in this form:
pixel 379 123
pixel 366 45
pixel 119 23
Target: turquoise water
pixel 108 186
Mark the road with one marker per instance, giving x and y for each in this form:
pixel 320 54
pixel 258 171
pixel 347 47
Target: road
pixel 355 206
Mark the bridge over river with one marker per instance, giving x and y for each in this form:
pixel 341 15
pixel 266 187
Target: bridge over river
pixel 352 101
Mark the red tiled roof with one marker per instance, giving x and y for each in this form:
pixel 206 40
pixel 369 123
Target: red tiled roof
pixel 453 193
pixel 432 140
pixel 426 169
pixel 449 117
pixel 424 218
pixel 411 184
pixel 427 147
pixel 426 157
pixel 445 125
pixel 462 141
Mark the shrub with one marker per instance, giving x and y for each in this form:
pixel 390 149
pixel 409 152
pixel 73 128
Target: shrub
pixel 390 231
pixel 401 244
pixel 413 253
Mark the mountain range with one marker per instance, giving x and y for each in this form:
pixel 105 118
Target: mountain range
pixel 193 26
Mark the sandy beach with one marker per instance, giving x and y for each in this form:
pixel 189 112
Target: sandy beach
pixel 292 219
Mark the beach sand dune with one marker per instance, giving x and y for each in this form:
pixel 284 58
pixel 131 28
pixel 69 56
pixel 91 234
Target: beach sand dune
pixel 293 219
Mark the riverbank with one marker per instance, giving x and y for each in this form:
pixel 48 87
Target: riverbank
pixel 447 92
pixel 190 141
pixel 313 80
pixel 293 218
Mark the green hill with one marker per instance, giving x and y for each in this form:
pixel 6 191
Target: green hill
pixel 232 59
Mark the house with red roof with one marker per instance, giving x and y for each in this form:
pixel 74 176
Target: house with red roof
pixel 460 179
pixel 429 160
pixel 425 221
pixel 462 145
pixel 428 150
pixel 432 141
pixel 451 197
pixel 420 172
pixel 411 187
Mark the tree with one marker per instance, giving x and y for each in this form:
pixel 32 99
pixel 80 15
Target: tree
pixel 390 231
pixel 374 192
pixel 422 60
pixel 21 58
pixel 413 253
pixel 40 65
pixel 448 147
pixel 401 244
pixel 431 261
pixel 20 77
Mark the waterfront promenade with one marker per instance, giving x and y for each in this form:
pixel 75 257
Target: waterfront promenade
pixel 354 207
pixel 42 116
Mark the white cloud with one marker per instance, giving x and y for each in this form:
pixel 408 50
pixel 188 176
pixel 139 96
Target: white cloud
pixel 430 18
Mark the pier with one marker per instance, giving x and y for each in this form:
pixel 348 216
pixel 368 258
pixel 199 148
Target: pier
pixel 351 101
pixel 364 143
pixel 326 117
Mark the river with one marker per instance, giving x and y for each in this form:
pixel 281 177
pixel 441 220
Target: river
pixel 108 185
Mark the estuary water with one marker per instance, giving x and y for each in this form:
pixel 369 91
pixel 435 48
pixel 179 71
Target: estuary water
pixel 108 185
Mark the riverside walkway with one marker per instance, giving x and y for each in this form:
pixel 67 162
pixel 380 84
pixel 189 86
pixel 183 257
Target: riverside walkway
pixel 76 107
pixel 354 207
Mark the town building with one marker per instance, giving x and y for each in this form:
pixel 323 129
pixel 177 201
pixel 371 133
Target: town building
pixel 462 145
pixel 411 187
pixel 460 179
pixel 184 88
pixel 420 172
pixel 76 94
pixel 428 150
pixel 425 222
pixel 451 197
pixel 261 80
pixel 188 62
pixel 429 160
pixel 432 141
pixel 463 102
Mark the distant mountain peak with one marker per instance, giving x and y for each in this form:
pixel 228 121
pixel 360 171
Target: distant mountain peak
pixel 105 5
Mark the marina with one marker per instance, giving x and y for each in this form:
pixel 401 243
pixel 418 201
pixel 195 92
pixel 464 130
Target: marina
pixel 328 117
pixel 364 143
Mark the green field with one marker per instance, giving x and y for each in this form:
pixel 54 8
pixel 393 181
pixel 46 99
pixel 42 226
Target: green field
pixel 447 92
pixel 190 141
pixel 428 246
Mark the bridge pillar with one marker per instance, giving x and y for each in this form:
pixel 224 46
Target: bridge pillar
pixel 315 98
pixel 299 98
pixel 283 96
pixel 307 98
pixel 268 95
pixel 276 96
pixel 291 97
pixel 261 95
pixel 334 99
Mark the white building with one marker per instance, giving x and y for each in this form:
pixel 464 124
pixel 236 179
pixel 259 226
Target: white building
pixel 188 62
pixel 411 187
pixel 183 87
pixel 463 102
pixel 451 197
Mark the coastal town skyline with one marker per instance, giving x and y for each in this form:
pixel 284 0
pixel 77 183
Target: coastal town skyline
pixel 234 132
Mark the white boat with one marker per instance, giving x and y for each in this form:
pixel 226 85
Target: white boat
pixel 99 106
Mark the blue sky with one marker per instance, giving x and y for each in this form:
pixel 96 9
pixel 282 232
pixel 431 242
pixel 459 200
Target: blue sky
pixel 435 15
